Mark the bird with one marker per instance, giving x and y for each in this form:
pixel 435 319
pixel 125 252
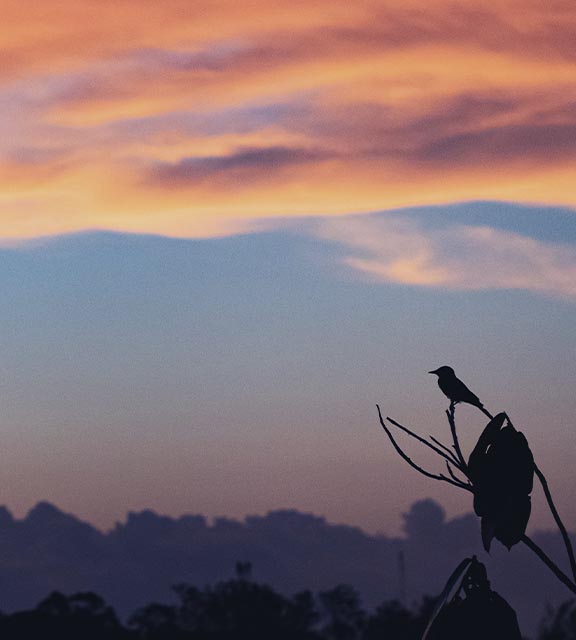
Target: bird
pixel 454 389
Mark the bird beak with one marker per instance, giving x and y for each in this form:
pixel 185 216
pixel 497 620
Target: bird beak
pixel 436 371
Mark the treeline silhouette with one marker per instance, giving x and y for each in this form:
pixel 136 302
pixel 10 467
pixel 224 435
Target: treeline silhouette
pixel 236 609
pixel 138 560
pixel 241 609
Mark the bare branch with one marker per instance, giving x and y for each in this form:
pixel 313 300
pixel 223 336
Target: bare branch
pixel 465 485
pixel 422 440
pixel 453 458
pixel 409 461
pixel 565 536
pixel 549 563
pixel 452 422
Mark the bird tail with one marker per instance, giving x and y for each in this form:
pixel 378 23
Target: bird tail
pixel 484 411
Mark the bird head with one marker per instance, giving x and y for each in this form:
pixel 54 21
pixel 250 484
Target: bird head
pixel 443 371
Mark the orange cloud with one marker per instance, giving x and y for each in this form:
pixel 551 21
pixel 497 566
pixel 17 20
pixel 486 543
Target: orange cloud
pixel 207 117
pixel 459 258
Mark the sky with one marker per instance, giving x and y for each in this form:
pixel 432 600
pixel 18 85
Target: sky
pixel 228 229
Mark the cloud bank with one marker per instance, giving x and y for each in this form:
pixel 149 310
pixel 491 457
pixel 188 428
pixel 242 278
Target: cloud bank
pixel 141 558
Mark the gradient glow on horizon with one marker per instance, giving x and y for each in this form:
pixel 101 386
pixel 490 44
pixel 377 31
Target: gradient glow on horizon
pixel 229 228
pixel 236 375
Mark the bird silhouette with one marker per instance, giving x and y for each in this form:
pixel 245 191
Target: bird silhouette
pixel 454 389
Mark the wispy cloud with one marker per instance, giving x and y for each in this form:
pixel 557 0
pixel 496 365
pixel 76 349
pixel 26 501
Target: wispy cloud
pixel 460 257
pixel 193 118
pixel 240 166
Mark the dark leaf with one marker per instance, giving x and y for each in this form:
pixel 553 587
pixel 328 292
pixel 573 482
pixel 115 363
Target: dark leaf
pixel 501 468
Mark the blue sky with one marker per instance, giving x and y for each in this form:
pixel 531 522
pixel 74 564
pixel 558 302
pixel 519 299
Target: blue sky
pixel 235 375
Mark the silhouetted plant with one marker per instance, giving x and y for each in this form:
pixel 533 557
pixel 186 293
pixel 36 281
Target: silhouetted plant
pixel 499 473
pixel 474 612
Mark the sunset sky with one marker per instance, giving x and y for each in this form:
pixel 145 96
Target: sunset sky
pixel 228 228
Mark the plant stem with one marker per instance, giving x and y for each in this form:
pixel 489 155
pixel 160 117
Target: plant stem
pixel 452 423
pixel 565 536
pixel 549 563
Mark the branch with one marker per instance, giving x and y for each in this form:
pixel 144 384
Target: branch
pixel 453 458
pixel 558 520
pixel 413 464
pixel 425 442
pixel 549 563
pixel 465 485
pixel 450 414
pixel 555 514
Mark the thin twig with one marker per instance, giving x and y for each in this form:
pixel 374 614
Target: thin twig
pixel 420 439
pixel 465 485
pixel 409 461
pixel 549 563
pixel 565 536
pixel 451 421
pixel 453 458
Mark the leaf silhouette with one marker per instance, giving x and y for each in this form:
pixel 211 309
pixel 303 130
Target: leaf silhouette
pixel 450 584
pixel 475 612
pixel 501 468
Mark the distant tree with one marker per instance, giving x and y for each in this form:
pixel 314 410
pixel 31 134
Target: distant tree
pixel 244 610
pixel 156 621
pixel 81 615
pixel 235 609
pixel 303 615
pixel 560 624
pixel 240 608
pixel 342 614
pixel 244 570
pixel 393 620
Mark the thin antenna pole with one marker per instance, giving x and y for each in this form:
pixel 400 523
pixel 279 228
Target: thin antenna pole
pixel 402 577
